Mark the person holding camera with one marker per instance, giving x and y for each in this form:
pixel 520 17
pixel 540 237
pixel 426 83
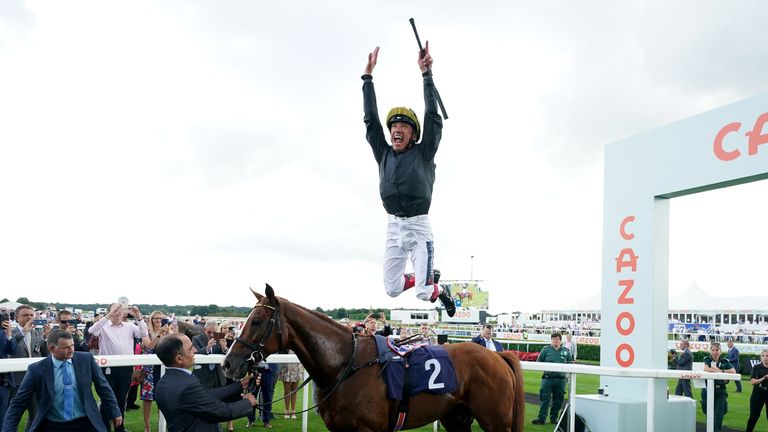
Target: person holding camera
pixel 66 322
pixel 7 347
pixel 371 324
pixel 759 398
pixel 116 337
pixel 29 343
pixel 211 341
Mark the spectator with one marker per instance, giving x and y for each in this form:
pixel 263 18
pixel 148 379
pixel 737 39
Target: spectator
pixel 371 324
pixel 29 343
pixel 759 398
pixel 735 359
pixel 186 404
pixel 359 329
pixel 570 344
pixel 290 374
pixel 228 330
pixel 61 383
pixel 7 347
pixel 486 339
pixel 684 362
pixel 116 337
pixel 427 335
pixel 552 383
pixel 210 342
pixel 66 322
pixel 157 328
pixel 716 363
pixel 267 375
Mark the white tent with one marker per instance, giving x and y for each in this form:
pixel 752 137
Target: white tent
pixel 10 305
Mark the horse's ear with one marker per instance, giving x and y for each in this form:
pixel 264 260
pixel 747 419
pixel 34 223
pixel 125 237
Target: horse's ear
pixel 270 293
pixel 257 295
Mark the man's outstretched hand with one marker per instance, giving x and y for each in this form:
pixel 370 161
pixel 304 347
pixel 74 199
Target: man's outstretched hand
pixel 425 59
pixel 372 58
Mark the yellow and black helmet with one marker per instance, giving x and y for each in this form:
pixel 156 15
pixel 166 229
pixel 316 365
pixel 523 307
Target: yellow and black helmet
pixel 405 115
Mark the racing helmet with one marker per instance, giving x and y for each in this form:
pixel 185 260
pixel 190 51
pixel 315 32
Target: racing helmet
pixel 405 115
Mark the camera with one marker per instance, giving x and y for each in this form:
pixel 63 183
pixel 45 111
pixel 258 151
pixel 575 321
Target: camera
pixel 165 322
pixel 4 317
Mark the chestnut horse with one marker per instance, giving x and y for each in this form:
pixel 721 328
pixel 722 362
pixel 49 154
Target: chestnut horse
pixel 350 387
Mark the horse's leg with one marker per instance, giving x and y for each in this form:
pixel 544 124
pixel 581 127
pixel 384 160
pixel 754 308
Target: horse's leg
pixel 458 420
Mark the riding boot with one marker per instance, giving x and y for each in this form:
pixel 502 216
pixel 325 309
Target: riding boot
pixel 444 294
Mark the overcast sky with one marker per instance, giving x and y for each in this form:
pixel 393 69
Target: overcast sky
pixel 180 152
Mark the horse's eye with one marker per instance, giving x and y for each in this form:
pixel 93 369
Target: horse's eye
pixel 256 323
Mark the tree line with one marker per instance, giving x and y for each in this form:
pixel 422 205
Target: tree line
pixel 207 310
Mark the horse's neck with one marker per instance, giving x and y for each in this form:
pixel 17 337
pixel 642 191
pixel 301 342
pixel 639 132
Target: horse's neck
pixel 322 347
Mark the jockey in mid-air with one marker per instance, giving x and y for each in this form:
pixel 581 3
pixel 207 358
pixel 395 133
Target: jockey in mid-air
pixel 406 177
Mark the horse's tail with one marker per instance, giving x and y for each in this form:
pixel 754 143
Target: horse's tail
pixel 518 405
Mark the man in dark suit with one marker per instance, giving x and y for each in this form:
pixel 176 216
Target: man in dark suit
pixel 486 339
pixel 735 359
pixel 212 376
pixel 185 403
pixel 29 343
pixel 684 362
pixel 61 384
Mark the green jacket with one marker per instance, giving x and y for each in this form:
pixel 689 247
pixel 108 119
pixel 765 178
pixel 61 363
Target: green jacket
pixel 550 355
pixel 722 364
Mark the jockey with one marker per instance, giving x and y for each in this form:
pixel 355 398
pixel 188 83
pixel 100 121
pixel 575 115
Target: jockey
pixel 406 177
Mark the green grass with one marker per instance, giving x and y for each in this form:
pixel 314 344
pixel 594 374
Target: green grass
pixel 738 409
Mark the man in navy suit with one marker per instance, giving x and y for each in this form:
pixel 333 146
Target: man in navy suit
pixel 486 339
pixel 185 403
pixel 61 384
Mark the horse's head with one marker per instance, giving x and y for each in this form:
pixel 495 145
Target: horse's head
pixel 262 335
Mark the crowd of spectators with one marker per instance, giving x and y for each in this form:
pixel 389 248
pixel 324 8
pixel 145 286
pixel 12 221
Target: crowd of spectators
pixel 123 330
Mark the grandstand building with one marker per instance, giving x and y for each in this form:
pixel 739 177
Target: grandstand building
pixel 693 306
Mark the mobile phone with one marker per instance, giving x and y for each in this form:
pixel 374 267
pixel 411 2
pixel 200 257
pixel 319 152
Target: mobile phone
pixel 126 309
pixel 375 315
pixel 40 322
pixel 4 317
pixel 165 322
pixel 218 336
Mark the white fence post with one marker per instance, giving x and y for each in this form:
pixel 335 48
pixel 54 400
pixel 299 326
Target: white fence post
pixel 710 405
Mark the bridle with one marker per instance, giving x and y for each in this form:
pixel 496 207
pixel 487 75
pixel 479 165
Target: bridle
pixel 257 356
pixel 257 349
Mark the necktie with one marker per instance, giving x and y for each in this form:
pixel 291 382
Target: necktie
pixel 69 391
pixel 28 341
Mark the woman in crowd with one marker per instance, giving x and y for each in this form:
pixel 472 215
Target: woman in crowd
pixel 227 327
pixel 759 398
pixel 290 374
pixel 157 328
pixel 717 363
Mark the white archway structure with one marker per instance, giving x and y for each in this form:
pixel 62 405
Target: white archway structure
pixel 716 149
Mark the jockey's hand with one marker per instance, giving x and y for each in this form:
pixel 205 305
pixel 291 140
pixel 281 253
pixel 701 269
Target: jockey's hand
pixel 425 59
pixel 372 58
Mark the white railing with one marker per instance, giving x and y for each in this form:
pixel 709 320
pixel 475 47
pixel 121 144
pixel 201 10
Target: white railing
pixel 15 365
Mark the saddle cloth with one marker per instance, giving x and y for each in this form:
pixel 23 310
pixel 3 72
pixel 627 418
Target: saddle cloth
pixel 430 370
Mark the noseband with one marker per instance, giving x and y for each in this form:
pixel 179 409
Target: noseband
pixel 257 349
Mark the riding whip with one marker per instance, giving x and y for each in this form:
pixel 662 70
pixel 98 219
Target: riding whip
pixel 421 51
